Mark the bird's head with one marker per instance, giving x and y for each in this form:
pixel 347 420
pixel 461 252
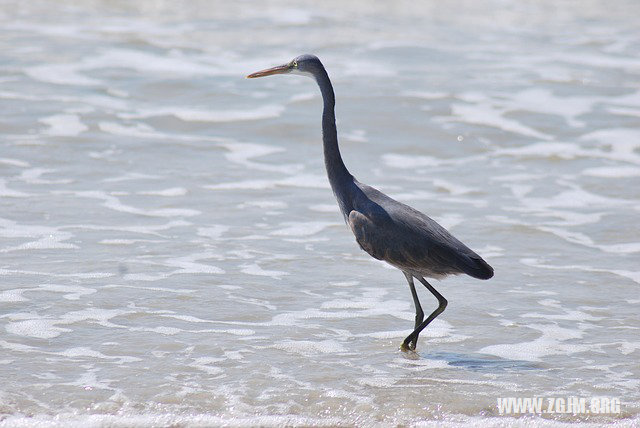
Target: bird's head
pixel 306 64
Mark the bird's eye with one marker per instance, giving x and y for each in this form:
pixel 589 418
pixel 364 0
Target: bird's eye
pixel 295 63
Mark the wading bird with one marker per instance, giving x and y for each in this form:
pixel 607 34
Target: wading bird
pixel 385 228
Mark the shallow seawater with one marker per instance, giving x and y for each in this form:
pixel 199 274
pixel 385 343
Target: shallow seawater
pixel 172 255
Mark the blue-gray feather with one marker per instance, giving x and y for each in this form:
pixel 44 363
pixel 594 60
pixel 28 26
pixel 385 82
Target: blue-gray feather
pixel 409 240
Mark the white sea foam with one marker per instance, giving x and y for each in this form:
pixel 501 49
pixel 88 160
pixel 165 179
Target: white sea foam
pixel 45 237
pixel 305 96
pixel 61 74
pixel 453 188
pixel 264 204
pixel 114 203
pixel 33 176
pixel 243 185
pixel 439 331
pixel 552 341
pixel 406 161
pixel 624 111
pixel 392 334
pixel 189 264
pixel 13 295
pixel 213 232
pixel 14 162
pixel 613 171
pixel 345 283
pixel 575 197
pixel 310 348
pixel 421 365
pixel 167 331
pixel 170 192
pixel 139 130
pixel 100 316
pixel 302 180
pixel 145 419
pixel 64 125
pixel 39 328
pixel 543 101
pixel 207 365
pixel 623 143
pixel 291 16
pixel 188 318
pixel 131 176
pixel 426 95
pixel 481 111
pixel 627 348
pixel 359 67
pixel 121 241
pixel 242 153
pixel 255 269
pixel 10 193
pixel 550 150
pixel 140 61
pixel 147 229
pixel 189 114
pixel 568 315
pixel 71 292
pixel 599 60
pixel 516 177
pixel 147 277
pixel 356 135
pixel 154 289
pixel 171 65
pixel 82 351
pixel 373 305
pixel 449 221
pixel 19 347
pixel 632 275
pixel 89 381
pixel 324 208
pixel 231 331
pixel 305 228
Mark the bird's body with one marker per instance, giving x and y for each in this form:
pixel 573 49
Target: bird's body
pixel 387 229
pixel 409 240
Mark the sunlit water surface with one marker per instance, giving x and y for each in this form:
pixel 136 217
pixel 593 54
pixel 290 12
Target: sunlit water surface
pixel 171 253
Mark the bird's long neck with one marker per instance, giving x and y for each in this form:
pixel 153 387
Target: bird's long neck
pixel 339 177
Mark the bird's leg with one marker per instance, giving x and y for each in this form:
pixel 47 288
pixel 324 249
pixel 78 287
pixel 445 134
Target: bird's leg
pixel 412 339
pixel 419 312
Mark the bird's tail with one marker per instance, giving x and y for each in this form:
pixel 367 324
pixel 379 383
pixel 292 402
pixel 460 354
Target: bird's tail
pixel 478 268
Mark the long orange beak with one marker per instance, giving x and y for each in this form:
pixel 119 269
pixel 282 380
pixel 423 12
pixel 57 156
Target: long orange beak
pixel 281 69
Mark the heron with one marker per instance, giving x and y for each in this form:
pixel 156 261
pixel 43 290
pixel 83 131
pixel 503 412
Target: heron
pixel 386 229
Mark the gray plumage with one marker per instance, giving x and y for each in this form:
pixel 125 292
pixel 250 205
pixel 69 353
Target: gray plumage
pixel 409 240
pixel 385 228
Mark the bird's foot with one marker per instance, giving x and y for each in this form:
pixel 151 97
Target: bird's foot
pixel 408 346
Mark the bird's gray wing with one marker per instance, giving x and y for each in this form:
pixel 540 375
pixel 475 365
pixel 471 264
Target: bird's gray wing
pixel 368 236
pixel 413 247
pixel 394 243
pixel 385 240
